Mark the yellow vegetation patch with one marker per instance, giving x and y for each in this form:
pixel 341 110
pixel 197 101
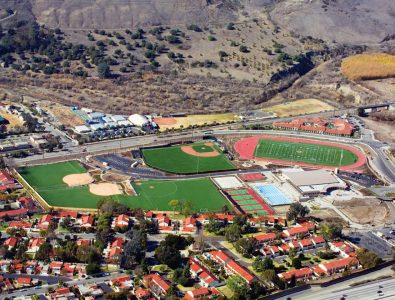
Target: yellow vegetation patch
pixel 191 120
pixel 14 120
pixel 299 107
pixel 369 66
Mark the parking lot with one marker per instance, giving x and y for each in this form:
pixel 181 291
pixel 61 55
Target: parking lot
pixel 361 179
pixel 372 242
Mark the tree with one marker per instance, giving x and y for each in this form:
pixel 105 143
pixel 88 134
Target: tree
pixel 44 251
pixel 176 241
pixel 92 268
pixel 174 204
pixel 271 276
pixel 134 250
pixel 296 263
pixel 103 70
pixel 66 222
pixel 232 233
pixel 292 253
pixel 296 210
pixel 111 207
pixel 168 255
pixel 261 264
pixel 361 112
pixel 238 285
pixel 331 231
pixel 245 246
pixel 368 259
pixel 186 208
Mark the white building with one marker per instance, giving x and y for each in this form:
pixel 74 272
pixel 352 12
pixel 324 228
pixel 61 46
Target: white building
pixel 138 120
pixel 82 129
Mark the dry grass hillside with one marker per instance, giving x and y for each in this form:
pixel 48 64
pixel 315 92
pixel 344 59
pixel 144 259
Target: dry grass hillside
pixel 369 66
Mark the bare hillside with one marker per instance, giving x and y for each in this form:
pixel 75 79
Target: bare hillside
pixel 345 21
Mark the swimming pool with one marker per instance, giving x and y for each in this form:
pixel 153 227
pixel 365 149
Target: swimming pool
pixel 271 194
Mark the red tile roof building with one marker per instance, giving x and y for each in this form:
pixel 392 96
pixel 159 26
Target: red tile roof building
pixel 303 274
pixel 203 292
pixel 339 265
pixel 157 285
pixel 336 127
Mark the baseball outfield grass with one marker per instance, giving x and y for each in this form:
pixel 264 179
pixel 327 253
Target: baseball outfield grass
pixel 156 194
pixel 174 160
pixel 47 180
pixel 305 153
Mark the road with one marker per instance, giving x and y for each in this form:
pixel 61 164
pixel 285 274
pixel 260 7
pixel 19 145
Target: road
pixel 367 291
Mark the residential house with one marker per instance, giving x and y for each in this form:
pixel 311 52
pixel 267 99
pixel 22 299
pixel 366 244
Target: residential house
pixel 303 274
pixel 44 222
pixel 343 248
pixel 203 292
pixel 265 238
pixel 122 221
pixel 156 284
pixel 11 243
pixel 34 244
pixel 339 265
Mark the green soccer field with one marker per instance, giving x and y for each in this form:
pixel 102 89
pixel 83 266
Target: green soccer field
pixel 174 160
pixel 47 180
pixel 156 194
pixel 305 153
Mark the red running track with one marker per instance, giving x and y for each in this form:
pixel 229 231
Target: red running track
pixel 246 148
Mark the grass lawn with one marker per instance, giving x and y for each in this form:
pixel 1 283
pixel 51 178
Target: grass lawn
pixel 174 160
pixel 156 194
pixel 304 152
pixel 47 180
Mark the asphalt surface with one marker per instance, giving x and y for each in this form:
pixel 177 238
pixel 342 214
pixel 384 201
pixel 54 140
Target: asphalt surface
pixel 370 291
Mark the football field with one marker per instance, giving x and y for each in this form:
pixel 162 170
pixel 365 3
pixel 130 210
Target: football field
pixel 315 154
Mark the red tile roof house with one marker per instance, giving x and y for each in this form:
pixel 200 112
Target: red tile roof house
pixel 6 178
pixel 156 284
pixel 231 267
pixel 24 281
pixel 343 248
pixel 63 293
pixel 305 244
pixel 86 221
pixel 73 215
pixel 26 202
pixel 14 213
pixel 339 265
pixel 43 224
pixel 34 244
pixel 142 294
pixel 303 274
pixel 265 238
pixel 122 283
pixel 20 224
pixel 11 243
pixel 205 277
pixel 164 223
pixel 56 267
pixel 271 251
pixel 318 241
pixel 203 292
pixel 114 251
pixel 189 224
pixel 122 221
pixel 295 232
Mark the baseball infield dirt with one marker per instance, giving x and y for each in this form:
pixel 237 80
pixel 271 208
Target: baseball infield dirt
pixel 104 189
pixel 78 179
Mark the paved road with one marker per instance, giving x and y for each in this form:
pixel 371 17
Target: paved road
pixel 362 292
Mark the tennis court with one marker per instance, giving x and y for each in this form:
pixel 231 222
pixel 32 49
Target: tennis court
pixel 249 202
pixel 238 192
pixel 271 194
pixel 246 202
pixel 242 197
